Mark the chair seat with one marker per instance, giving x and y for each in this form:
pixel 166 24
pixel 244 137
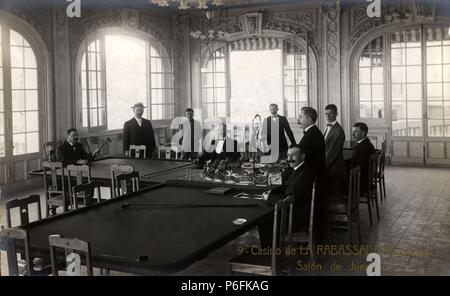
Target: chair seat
pixel 56 200
pixel 252 263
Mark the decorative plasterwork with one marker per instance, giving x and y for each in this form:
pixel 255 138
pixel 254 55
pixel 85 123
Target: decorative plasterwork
pixel 331 11
pixel 296 22
pixel 128 19
pixel 408 12
pixel 61 33
pixel 32 19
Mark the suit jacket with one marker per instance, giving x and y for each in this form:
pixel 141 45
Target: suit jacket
pixel 283 126
pixel 68 154
pixel 299 183
pixel 334 160
pixel 313 145
pixel 361 156
pixel 133 134
pixel 190 141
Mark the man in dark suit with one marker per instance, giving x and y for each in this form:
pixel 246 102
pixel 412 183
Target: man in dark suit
pixel 283 127
pixel 334 135
pixel 298 180
pixel 362 152
pixel 138 131
pixel 72 152
pixel 312 143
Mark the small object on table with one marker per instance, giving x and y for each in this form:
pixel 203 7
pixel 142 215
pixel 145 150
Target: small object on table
pixel 218 190
pixel 239 221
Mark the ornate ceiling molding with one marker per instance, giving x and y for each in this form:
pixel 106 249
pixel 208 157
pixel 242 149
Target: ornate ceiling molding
pixel 409 12
pixel 128 19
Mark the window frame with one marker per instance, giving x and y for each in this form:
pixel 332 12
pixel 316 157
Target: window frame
pixel 151 41
pixel 299 40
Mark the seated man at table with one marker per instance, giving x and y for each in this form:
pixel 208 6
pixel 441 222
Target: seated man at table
pixel 71 151
pixel 298 181
pixel 361 153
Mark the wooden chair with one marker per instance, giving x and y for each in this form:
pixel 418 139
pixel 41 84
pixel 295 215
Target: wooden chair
pixel 127 183
pixel 8 238
pixel 380 173
pixel 24 218
pixel 86 194
pixel 370 197
pixel 342 214
pixel 77 175
pixel 55 187
pixel 49 149
pixel 23 205
pixel 307 235
pixel 72 248
pixel 115 171
pixel 138 151
pixel 248 263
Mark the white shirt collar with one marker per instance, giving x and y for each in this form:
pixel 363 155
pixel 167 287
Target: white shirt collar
pixel 306 129
pixel 332 123
pixel 359 142
pixel 298 166
pixel 139 121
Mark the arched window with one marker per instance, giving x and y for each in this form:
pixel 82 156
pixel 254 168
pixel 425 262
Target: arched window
pixel 295 67
pixel 118 70
pixel 213 84
pixel 371 80
pixel 19 112
pixel 241 78
pixel 404 89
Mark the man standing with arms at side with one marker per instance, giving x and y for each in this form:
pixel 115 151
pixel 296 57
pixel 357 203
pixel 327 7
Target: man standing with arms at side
pixel 334 161
pixel 138 131
pixel 313 145
pixel 191 132
pixel 283 126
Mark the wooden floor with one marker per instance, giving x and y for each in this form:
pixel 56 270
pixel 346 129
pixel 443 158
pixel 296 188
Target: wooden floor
pixel 412 237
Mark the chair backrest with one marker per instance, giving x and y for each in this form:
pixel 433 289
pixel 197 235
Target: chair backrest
pixel 138 151
pixel 311 212
pixel 80 173
pixel 86 191
pixel 51 182
pixel 382 159
pixel 8 238
pixel 49 149
pixel 115 171
pixel 72 248
pixel 373 168
pixel 353 189
pixel 282 229
pixel 23 205
pixel 127 183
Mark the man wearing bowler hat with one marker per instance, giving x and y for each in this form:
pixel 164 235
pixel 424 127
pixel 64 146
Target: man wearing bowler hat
pixel 138 131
